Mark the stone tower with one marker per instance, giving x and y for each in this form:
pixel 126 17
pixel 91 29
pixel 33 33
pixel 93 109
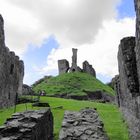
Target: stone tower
pixel 74 61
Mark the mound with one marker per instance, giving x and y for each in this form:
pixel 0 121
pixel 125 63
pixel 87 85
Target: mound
pixel 75 85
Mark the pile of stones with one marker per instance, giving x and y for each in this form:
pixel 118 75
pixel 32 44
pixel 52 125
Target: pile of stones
pixel 83 125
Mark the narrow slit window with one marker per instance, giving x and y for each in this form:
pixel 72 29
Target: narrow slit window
pixel 12 69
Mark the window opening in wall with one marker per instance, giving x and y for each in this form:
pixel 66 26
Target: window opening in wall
pixel 12 69
pixel 73 70
pixel 9 96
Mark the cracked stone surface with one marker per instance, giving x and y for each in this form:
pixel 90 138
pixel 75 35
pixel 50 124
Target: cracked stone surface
pixel 29 125
pixel 83 125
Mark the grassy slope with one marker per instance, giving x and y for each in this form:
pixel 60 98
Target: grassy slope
pixel 72 83
pixel 110 115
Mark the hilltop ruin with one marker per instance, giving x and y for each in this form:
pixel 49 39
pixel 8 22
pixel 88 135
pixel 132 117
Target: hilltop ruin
pixel 63 65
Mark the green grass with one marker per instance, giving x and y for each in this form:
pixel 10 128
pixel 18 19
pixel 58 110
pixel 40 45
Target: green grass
pixel 109 114
pixel 72 83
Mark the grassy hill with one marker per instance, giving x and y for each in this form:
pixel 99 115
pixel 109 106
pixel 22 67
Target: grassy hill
pixel 72 83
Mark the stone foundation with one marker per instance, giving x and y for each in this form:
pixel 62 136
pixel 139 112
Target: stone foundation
pixel 83 125
pixel 29 125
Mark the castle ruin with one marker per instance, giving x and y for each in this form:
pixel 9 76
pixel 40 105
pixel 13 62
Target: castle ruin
pixel 11 72
pixel 63 65
pixel 127 83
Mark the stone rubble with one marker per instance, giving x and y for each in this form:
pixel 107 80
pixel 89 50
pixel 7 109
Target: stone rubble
pixel 83 125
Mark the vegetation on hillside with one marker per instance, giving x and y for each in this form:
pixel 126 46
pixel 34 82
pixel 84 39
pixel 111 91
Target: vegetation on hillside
pixel 72 83
pixel 109 114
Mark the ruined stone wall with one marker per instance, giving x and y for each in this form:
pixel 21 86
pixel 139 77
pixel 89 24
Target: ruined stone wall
pixel 29 125
pixel 116 85
pixel 128 90
pixel 137 9
pixel 27 90
pixel 83 125
pixel 11 73
pixel 63 66
pixel 88 69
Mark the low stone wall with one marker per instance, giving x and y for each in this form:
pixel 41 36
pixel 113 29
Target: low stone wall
pixel 83 125
pixel 29 125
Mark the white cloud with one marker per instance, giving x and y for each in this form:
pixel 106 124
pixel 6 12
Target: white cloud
pixel 30 21
pixel 102 53
pixel 88 25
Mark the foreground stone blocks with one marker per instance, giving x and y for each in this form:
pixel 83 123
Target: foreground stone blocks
pixel 83 125
pixel 29 125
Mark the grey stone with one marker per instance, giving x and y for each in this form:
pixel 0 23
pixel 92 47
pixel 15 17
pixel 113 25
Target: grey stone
pixel 87 68
pixel 83 125
pixel 29 125
pixel 63 66
pixel 127 86
pixel 74 60
pixel 137 49
pixel 11 72
pixel 27 90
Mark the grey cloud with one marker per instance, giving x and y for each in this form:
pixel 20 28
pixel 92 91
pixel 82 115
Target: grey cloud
pixel 79 22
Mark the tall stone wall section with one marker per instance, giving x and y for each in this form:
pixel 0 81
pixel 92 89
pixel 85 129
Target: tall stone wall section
pixel 128 86
pixel 63 66
pixel 11 72
pixel 137 9
pixel 29 125
pixel 74 60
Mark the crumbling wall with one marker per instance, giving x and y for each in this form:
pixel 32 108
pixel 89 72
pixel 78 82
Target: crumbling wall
pixel 83 125
pixel 128 90
pixel 88 69
pixel 29 125
pixel 11 72
pixel 27 90
pixel 116 85
pixel 63 66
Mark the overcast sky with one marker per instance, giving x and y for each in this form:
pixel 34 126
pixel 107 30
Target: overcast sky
pixel 43 31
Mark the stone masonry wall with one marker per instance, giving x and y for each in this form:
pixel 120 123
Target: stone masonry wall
pixel 63 66
pixel 11 73
pixel 83 125
pixel 128 89
pixel 74 60
pixel 137 49
pixel 88 69
pixel 29 125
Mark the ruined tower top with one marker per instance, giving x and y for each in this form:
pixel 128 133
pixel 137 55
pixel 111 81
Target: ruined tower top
pixel 74 57
pixel 74 60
